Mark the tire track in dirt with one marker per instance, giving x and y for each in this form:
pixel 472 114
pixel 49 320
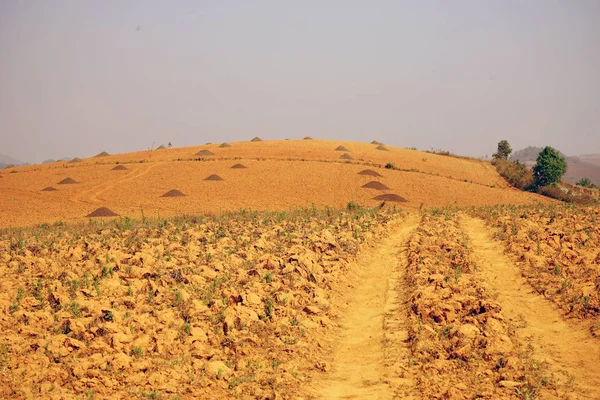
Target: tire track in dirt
pixel 91 195
pixel 571 353
pixel 367 348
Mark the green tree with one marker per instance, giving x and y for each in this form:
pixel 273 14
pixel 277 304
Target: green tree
pixel 549 168
pixel 503 151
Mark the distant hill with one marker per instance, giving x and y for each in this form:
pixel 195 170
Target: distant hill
pixel 7 160
pixel 586 166
pixel 590 158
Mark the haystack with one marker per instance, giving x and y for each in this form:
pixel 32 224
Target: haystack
pixel 10 166
pixel 67 181
pixel 120 168
pixel 103 154
pixel 375 185
pixel 370 172
pixel 347 156
pixel 205 153
pixel 102 212
pixel 213 178
pixel 238 166
pixel 225 144
pixel 49 189
pixel 173 193
pixel 382 147
pixel 390 197
pixel 375 142
pixel 256 139
pixel 307 138
pixel 161 147
pixel 341 148
pixel 76 159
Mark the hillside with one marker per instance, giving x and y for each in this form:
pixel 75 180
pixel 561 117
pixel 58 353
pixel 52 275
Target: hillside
pixel 278 175
pixel 578 167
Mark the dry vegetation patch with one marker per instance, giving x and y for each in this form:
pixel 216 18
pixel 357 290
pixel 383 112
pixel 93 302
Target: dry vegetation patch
pixel 195 307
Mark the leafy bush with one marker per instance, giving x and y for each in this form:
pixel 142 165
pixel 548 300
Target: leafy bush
pixel 550 167
pixel 515 173
pixel 585 182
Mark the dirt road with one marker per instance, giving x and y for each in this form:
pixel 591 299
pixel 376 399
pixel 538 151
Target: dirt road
pixel 370 337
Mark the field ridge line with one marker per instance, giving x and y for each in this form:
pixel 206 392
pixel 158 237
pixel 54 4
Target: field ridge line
pixel 568 348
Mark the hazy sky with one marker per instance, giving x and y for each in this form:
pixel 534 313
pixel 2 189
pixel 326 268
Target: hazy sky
pixel 80 77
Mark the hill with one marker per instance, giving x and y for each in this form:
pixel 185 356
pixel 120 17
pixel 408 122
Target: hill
pixel 8 160
pixel 578 167
pixel 278 175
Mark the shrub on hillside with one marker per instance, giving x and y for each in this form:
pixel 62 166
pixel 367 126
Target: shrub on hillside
pixel 515 173
pixel 566 195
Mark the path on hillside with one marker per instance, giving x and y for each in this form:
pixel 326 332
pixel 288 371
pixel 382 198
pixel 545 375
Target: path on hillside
pixel 572 353
pixel 368 343
pixel 91 195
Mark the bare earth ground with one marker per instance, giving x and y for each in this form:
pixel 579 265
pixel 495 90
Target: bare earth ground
pixel 280 175
pixel 360 361
pixel 567 347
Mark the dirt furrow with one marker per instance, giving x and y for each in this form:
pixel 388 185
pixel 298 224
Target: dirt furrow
pixel 360 366
pixel 565 347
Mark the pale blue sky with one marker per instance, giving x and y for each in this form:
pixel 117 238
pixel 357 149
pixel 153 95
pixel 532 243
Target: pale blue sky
pixel 79 77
